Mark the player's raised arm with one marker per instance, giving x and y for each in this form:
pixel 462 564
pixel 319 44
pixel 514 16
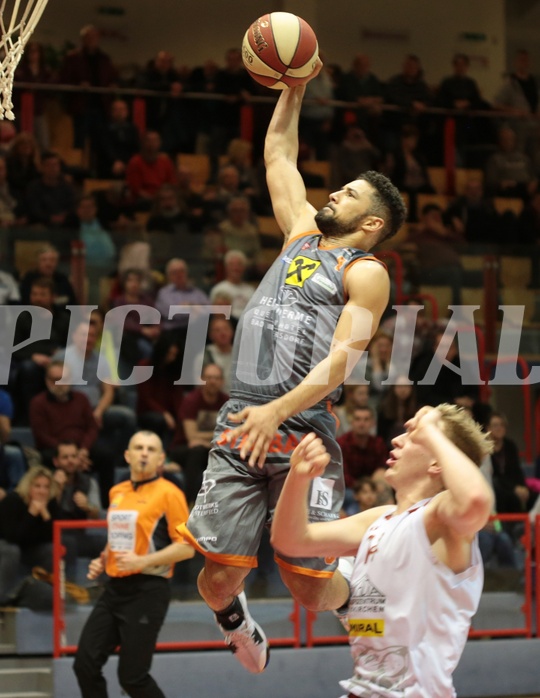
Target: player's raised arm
pixel 467 501
pixel 287 191
pixel 292 534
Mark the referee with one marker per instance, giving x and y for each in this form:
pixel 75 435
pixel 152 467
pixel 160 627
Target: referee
pixel 142 545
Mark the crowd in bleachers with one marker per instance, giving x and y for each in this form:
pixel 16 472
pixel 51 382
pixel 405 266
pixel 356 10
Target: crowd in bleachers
pixel 180 214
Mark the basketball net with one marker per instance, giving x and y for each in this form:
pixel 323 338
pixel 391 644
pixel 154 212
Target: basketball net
pixel 18 19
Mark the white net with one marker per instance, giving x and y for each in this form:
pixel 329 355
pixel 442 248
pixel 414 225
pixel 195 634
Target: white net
pixel 18 19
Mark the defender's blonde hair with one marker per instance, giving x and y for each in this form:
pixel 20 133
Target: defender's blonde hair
pixel 464 432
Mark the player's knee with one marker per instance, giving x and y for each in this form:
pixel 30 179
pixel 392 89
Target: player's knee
pixel 309 592
pixel 223 581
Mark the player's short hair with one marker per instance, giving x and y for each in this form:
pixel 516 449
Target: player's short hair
pixel 387 203
pixel 464 432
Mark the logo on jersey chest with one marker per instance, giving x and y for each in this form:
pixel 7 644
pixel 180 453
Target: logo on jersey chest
pixel 300 269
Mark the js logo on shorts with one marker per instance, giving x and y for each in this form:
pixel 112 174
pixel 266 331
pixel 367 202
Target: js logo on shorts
pixel 321 493
pixel 300 269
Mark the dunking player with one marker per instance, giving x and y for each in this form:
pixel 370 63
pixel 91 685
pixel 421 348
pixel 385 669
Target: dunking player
pixel 417 577
pixel 311 317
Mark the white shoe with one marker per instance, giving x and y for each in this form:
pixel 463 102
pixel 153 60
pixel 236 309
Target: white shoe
pixel 248 642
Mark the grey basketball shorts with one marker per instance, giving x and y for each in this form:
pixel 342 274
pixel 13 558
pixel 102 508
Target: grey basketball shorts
pixel 237 501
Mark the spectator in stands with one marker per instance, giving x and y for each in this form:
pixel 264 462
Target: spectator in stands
pixel 448 383
pixel 512 496
pixel 138 340
pixel 365 494
pixel 32 359
pixel 160 75
pixel 409 91
pixel 47 259
pixel 395 408
pixel 509 171
pixel 12 460
pixel 23 164
pixel 461 92
pixel 33 68
pixel 378 362
pixel 33 506
pixel 88 66
pixel 316 119
pixel 9 289
pixel 198 415
pixel 408 168
pixel 238 230
pixel 519 97
pixel 62 414
pixel 356 153
pixel 219 350
pixel 422 331
pixel 100 250
pixel 8 203
pixel 82 359
pixel 78 493
pixel 355 395
pixel 473 214
pixel 158 399
pixel 149 170
pixel 437 247
pixel 203 111
pixel 227 187
pixel 493 539
pixel 363 453
pixel 362 86
pixel 233 285
pixel 50 200
pixel 240 155
pixel 78 500
pixel 119 142
pixel 179 291
pixel 234 82
pixel 167 215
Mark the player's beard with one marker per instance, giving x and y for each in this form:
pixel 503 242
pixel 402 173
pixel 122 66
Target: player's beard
pixel 330 227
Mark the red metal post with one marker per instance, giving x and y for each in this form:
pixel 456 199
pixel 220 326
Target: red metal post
pixel 138 115
pixel 450 154
pixel 491 266
pixel 27 112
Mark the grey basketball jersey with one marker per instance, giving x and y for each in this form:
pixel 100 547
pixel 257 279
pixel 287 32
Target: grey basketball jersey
pixel 288 325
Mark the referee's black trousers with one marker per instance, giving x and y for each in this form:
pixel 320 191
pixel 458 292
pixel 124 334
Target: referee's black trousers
pixel 128 615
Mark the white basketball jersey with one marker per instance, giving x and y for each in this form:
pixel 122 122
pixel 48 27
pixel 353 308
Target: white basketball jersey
pixel 409 613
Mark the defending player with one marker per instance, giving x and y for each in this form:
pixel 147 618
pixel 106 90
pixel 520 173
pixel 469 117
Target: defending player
pixel 298 339
pixel 417 577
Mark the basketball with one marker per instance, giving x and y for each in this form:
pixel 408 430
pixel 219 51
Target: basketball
pixel 280 50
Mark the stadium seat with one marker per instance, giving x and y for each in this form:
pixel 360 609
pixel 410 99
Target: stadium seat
pixel 514 272
pixel 198 163
pixel 317 167
pixel 503 204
